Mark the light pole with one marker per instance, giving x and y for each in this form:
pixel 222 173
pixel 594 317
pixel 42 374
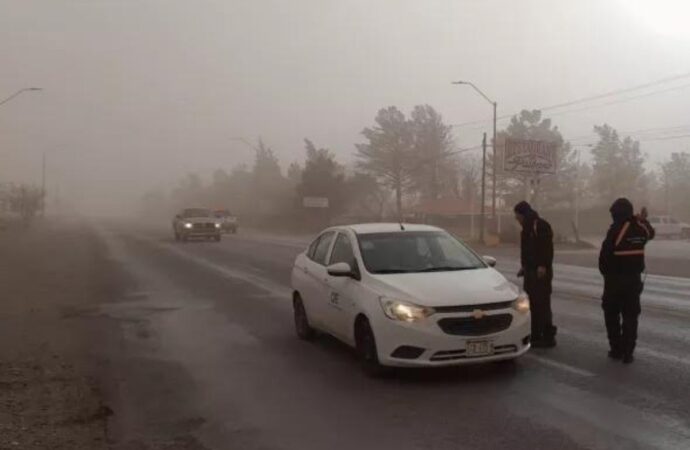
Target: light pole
pixel 493 145
pixel 18 93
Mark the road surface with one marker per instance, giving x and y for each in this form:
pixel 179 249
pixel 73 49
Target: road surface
pixel 208 350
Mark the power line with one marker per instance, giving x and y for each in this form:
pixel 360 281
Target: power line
pixel 657 130
pixel 591 98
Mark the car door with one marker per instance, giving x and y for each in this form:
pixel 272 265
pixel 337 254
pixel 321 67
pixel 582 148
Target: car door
pixel 342 291
pixel 314 294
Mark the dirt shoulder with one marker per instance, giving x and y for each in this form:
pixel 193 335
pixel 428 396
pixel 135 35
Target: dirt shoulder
pixel 51 371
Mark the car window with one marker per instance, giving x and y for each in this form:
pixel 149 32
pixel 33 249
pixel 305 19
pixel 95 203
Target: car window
pixel 410 252
pixel 342 251
pixel 672 220
pixel 321 251
pixel 312 247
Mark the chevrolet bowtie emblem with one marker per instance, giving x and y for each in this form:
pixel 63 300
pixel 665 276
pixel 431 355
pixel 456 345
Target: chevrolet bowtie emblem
pixel 478 313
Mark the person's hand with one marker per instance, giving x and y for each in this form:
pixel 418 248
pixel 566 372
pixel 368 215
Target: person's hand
pixel 521 273
pixel 541 272
pixel 644 213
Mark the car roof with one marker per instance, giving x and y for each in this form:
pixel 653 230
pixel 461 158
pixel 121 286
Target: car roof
pixel 366 228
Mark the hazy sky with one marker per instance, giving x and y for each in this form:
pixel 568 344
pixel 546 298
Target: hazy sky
pixel 138 92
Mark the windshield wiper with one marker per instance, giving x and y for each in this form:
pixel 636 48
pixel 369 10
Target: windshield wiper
pixel 446 269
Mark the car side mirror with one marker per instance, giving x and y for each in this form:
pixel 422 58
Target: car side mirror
pixel 340 269
pixel 490 261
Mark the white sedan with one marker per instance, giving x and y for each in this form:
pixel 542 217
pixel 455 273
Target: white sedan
pixel 408 296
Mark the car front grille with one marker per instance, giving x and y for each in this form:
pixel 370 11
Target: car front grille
pixel 450 355
pixel 204 226
pixel 470 326
pixel 470 308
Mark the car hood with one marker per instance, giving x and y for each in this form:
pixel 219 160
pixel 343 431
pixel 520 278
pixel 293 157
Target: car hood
pixel 466 287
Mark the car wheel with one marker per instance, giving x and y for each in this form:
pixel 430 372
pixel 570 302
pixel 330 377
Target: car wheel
pixel 367 351
pixel 302 327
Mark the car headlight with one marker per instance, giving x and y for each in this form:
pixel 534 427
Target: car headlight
pixel 521 304
pixel 217 225
pixel 188 225
pixel 404 311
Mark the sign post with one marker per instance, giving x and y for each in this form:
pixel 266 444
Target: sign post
pixel 530 157
pixel 315 202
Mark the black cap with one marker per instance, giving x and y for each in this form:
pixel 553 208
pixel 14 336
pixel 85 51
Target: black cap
pixel 523 208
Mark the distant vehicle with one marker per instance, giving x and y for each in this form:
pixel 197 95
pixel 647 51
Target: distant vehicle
pixel 667 226
pixel 408 297
pixel 228 222
pixel 196 223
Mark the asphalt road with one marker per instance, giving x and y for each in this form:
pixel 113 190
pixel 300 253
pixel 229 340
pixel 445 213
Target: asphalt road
pixel 208 348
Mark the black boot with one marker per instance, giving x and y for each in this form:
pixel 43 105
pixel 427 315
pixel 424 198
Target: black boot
pixel 628 358
pixel 616 355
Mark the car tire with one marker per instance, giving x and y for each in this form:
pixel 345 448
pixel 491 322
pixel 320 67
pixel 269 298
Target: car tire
pixel 367 352
pixel 302 327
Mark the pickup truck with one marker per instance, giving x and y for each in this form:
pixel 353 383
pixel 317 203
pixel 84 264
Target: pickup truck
pixel 670 227
pixel 228 222
pixel 196 223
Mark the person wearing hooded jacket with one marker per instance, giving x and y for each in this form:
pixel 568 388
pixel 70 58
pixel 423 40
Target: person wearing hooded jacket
pixel 536 256
pixel 621 262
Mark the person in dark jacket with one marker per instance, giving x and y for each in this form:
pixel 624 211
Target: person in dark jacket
pixel 536 255
pixel 621 262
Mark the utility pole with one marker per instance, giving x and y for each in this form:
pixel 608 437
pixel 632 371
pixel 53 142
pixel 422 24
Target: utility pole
pixel 495 155
pixel 43 184
pixel 494 170
pixel 482 218
pixel 577 193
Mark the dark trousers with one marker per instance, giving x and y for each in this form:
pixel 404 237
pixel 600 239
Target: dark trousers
pixel 539 291
pixel 621 304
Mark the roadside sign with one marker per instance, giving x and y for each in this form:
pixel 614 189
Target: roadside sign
pixel 527 156
pixel 315 202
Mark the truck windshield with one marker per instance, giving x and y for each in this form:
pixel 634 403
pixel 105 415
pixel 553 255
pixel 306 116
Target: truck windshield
pixel 196 212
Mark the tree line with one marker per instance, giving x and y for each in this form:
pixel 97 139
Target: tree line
pixel 406 159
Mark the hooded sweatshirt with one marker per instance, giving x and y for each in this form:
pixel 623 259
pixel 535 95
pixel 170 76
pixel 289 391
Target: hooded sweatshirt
pixel 627 231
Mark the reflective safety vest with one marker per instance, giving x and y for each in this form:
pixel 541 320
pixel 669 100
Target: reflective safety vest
pixel 631 239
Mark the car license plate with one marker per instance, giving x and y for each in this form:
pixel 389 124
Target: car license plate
pixel 479 348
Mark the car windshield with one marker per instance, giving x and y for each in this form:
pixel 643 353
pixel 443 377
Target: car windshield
pixel 415 252
pixel 196 212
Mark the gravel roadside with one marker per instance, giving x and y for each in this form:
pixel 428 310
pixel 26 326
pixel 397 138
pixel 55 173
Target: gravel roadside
pixel 51 372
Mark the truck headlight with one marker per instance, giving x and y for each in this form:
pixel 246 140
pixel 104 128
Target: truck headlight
pixel 404 311
pixel 521 304
pixel 188 225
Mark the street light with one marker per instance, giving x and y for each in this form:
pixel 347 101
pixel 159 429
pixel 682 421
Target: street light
pixel 18 93
pixel 495 163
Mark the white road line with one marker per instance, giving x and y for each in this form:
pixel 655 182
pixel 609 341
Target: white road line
pixel 560 366
pixel 265 284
